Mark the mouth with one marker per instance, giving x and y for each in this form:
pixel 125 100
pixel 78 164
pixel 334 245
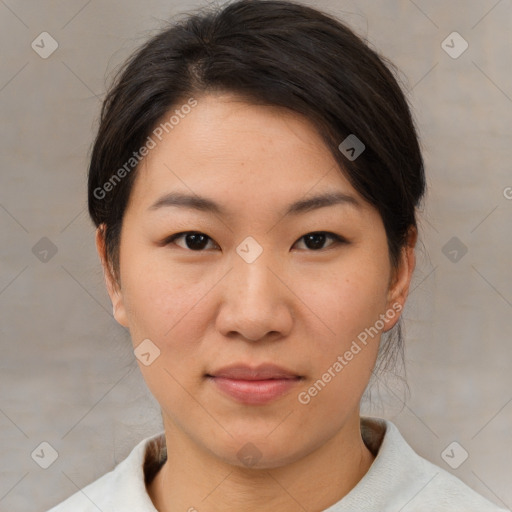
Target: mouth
pixel 251 385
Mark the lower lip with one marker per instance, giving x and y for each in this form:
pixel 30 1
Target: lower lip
pixel 254 392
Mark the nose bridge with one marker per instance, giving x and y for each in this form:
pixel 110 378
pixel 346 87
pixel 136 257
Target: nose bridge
pixel 254 301
pixel 252 279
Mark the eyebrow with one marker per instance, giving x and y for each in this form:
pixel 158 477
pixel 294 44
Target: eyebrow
pixel 204 204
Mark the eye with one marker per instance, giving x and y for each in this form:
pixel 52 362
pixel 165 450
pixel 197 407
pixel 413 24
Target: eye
pixel 315 241
pixel 197 241
pixel 194 240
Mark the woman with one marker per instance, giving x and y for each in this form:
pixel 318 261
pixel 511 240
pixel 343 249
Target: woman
pixel 254 183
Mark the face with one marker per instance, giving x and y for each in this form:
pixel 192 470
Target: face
pixel 265 278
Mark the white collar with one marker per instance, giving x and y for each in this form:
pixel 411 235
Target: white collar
pixel 398 479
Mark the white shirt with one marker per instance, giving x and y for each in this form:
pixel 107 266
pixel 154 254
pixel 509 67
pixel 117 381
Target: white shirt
pixel 398 480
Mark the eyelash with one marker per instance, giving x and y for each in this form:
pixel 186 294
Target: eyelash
pixel 338 240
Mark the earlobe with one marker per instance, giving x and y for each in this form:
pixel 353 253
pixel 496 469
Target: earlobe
pixel 113 288
pixel 399 289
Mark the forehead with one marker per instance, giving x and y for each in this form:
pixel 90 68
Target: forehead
pixel 232 150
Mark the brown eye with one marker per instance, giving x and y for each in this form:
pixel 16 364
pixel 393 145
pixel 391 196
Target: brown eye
pixel 316 241
pixel 194 240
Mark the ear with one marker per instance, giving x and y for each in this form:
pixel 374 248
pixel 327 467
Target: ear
pixel 113 287
pixel 401 279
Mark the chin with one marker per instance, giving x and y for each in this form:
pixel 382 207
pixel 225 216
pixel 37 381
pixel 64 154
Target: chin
pixel 253 451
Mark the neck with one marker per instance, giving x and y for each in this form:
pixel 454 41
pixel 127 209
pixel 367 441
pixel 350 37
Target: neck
pixel 195 480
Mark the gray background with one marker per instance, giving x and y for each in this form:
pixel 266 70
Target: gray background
pixel 68 375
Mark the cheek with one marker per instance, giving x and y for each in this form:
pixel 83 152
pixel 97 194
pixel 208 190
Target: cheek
pixel 349 300
pixel 343 360
pixel 164 305
pixel 349 297
pixel 169 309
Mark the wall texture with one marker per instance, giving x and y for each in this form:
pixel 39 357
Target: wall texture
pixel 67 373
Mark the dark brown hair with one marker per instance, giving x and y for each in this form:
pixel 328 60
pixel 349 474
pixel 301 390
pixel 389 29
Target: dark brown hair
pixel 270 52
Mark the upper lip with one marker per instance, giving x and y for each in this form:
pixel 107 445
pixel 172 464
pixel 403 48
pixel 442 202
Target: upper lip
pixel 247 372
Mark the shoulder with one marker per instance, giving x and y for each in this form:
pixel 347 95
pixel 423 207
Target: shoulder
pixel 400 479
pixel 123 488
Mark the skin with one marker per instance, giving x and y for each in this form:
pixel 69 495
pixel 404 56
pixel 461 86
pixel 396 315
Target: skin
pixel 294 306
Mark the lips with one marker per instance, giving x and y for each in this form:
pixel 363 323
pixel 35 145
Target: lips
pixel 253 385
pixel 261 372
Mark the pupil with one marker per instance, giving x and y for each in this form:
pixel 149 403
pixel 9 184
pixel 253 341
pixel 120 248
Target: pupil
pixel 317 240
pixel 196 241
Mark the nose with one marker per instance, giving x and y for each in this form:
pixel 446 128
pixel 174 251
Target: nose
pixel 255 304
